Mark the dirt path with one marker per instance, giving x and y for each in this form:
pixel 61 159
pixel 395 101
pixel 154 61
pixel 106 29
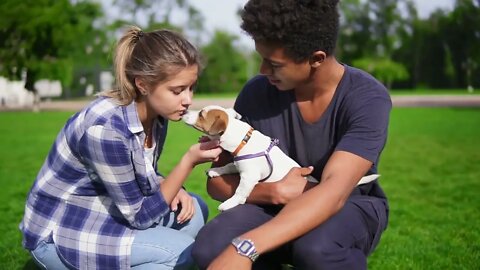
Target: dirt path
pixel 398 101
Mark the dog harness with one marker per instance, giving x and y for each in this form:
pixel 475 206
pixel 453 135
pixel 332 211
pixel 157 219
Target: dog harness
pixel 265 153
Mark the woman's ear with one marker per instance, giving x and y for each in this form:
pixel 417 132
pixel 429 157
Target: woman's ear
pixel 141 86
pixel 317 59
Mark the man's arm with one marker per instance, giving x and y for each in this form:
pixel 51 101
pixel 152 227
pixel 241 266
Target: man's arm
pixel 339 178
pixel 223 187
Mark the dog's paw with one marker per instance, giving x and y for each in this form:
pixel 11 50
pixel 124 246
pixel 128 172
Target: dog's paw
pixel 230 203
pixel 213 173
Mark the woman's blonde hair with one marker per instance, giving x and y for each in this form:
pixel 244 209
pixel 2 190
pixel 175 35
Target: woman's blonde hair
pixel 150 56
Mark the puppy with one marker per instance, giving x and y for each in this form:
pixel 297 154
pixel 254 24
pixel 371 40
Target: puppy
pixel 256 157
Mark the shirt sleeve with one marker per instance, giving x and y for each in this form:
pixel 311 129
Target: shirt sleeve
pixel 366 127
pixel 106 151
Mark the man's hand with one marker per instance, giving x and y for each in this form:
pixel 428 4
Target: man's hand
pixel 292 185
pixel 229 259
pixel 187 206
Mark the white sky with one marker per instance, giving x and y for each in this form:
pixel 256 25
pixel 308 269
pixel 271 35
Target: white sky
pixel 221 14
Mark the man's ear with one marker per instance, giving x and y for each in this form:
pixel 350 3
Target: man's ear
pixel 317 59
pixel 233 113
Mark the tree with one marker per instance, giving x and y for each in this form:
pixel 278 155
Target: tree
pixel 461 33
pixel 384 69
pixel 43 38
pixel 370 34
pixel 151 14
pixel 227 68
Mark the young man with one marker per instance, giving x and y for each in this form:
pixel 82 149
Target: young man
pixel 328 116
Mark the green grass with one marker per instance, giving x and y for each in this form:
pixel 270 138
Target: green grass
pixel 430 171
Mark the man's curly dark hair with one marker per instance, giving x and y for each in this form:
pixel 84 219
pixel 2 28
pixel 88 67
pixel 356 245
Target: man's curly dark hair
pixel 301 27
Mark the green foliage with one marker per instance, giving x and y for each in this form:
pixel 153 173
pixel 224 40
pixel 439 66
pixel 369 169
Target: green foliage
pixel 69 40
pixel 43 38
pixel 384 69
pixel 438 51
pixel 429 171
pixel 227 69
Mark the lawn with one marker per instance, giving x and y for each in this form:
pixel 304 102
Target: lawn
pixel 430 171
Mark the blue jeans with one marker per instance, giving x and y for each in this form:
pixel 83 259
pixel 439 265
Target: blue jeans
pixel 165 246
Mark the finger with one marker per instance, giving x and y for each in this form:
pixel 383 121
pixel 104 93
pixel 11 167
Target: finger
pixel 190 209
pixel 209 144
pixel 174 204
pixel 215 152
pixel 203 139
pixel 306 170
pixel 186 212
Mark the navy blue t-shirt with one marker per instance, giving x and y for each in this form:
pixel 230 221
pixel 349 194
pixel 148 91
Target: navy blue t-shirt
pixel 355 121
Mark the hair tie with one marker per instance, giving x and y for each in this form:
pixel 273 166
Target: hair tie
pixel 138 35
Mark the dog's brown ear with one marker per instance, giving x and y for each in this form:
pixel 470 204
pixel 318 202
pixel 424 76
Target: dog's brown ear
pixel 219 120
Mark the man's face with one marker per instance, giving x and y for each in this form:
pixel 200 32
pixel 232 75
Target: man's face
pixel 280 69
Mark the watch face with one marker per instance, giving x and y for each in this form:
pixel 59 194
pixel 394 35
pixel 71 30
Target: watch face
pixel 245 247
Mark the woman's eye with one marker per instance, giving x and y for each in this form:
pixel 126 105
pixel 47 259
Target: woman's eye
pixel 193 87
pixel 177 91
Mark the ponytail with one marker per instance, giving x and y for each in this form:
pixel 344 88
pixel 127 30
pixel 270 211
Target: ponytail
pixel 151 57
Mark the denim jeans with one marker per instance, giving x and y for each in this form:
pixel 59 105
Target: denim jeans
pixel 165 246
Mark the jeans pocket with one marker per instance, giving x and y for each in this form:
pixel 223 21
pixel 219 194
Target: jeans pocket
pixel 39 253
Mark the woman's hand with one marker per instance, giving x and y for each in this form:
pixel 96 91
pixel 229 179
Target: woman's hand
pixel 202 152
pixel 186 203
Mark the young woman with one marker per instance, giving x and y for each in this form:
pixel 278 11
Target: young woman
pixel 98 202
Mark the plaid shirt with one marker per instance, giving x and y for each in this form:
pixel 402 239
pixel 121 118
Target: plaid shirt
pixel 95 188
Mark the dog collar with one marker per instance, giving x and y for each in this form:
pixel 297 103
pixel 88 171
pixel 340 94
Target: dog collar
pixel 243 142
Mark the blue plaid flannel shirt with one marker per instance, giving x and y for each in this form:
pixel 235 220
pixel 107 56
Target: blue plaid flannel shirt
pixel 95 188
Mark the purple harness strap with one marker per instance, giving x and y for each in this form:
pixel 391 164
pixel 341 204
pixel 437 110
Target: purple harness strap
pixel 265 153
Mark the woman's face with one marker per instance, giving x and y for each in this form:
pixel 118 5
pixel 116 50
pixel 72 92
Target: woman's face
pixel 171 99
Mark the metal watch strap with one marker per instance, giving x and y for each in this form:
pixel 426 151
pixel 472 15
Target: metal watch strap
pixel 245 247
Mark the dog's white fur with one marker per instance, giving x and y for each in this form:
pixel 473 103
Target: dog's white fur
pixel 251 170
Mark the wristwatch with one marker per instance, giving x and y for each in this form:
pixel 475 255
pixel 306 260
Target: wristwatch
pixel 245 247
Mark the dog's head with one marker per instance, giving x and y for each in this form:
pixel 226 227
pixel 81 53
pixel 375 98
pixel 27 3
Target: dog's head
pixel 211 120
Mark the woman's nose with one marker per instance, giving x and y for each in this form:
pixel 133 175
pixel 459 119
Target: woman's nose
pixel 187 98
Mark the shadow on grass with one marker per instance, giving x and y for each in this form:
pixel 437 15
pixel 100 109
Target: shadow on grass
pixel 30 265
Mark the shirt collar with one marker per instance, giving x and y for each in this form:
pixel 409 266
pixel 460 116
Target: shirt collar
pixel 131 117
pixel 133 120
